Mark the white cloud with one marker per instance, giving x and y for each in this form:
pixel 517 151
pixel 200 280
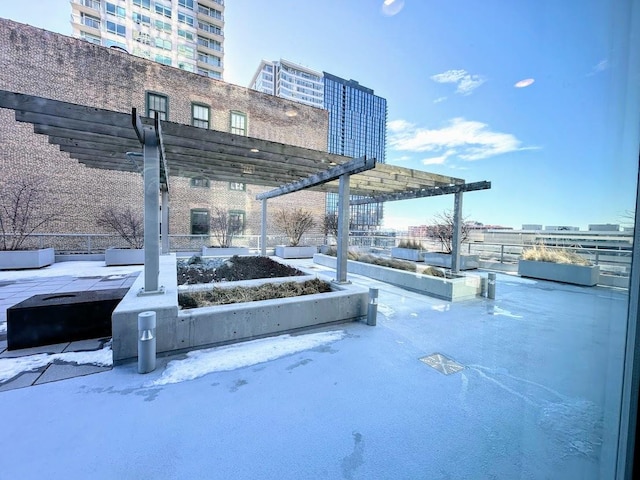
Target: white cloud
pixel 466 82
pixel 392 7
pixel 601 66
pixel 439 99
pixel 465 139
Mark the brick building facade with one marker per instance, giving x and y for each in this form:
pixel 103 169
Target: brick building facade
pixel 46 64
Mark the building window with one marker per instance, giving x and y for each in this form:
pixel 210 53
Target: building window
pixel 186 4
pixel 143 3
pixel 186 35
pixel 141 19
pixel 200 221
pixel 236 219
pixel 187 51
pixel 95 4
pixel 208 43
pixel 164 44
pixel 238 123
pixel 237 186
pixel 199 115
pixel 116 28
pixel 142 37
pixel 186 19
pixel 210 59
pixel 207 27
pixel 186 67
pixel 157 103
pixel 210 12
pixel 164 26
pixel 162 10
pixel 163 59
pixel 90 21
pixel 200 183
pixel 90 38
pixel 115 10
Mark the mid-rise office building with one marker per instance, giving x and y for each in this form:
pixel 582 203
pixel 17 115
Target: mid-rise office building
pixel 187 34
pixel 357 119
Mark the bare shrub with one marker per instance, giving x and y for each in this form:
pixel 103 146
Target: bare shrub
pixel 126 223
pixel 294 224
pixel 330 225
pixel 410 243
pixel 25 207
pixel 224 226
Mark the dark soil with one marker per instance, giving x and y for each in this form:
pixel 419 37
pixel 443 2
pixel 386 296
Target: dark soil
pixel 198 270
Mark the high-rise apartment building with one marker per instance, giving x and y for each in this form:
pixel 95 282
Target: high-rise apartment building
pixel 187 34
pixel 357 119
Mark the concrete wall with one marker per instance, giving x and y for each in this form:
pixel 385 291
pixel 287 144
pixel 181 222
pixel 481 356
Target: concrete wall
pixel 38 62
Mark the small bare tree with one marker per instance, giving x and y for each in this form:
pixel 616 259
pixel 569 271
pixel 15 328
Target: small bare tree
pixel 294 224
pixel 126 223
pixel 24 208
pixel 224 226
pixel 330 225
pixel 441 230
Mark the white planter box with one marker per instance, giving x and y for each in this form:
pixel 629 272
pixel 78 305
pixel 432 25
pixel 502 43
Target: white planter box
pixel 284 251
pixel 410 254
pixel 560 272
pixel 463 287
pixel 467 262
pixel 21 259
pixel 123 256
pixel 224 251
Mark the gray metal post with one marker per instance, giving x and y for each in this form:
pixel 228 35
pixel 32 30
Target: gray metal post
pixel 457 233
pixel 146 342
pixel 343 229
pixel 151 211
pixel 491 290
pixel 165 222
pixel 263 229
pixel 372 310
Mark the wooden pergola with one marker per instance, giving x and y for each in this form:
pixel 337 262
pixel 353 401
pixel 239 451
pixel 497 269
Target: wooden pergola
pixel 111 140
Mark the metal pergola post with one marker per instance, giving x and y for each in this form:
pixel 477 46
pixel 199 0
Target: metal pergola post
pixel 457 232
pixel 151 173
pixel 165 221
pixel 263 229
pixel 343 229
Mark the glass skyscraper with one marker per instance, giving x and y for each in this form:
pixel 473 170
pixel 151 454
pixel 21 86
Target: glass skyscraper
pixel 357 119
pixel 357 127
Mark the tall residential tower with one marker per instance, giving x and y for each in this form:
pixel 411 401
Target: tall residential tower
pixel 188 34
pixel 357 119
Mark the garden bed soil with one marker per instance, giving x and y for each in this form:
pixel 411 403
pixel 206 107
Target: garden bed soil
pixel 197 270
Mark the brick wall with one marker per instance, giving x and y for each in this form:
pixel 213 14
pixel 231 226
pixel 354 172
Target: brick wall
pixel 38 62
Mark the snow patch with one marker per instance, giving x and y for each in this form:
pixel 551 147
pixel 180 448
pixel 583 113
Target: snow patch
pixel 218 359
pixel 441 308
pixel 502 312
pixel 386 310
pixel 3 327
pixel 12 367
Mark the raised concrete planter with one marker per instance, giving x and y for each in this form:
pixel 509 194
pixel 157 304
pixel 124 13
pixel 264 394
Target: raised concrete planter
pixel 617 281
pixel 467 262
pixel 410 254
pixel 463 287
pixel 187 329
pixel 285 251
pixel 224 251
pixel 560 272
pixel 498 266
pixel 123 256
pixel 23 259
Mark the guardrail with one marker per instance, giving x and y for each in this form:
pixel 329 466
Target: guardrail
pixel 613 259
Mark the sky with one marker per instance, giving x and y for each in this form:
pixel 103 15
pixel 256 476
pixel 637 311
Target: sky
pixel 536 96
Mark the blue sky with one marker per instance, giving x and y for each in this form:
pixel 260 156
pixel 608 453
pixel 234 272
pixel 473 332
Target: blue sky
pixel 529 95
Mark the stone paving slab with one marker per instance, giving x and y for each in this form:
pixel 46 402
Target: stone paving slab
pixel 23 352
pixel 21 381
pixel 63 371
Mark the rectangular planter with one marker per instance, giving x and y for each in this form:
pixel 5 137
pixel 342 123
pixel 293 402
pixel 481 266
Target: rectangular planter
pixel 179 330
pixel 123 256
pixel 284 251
pixel 560 272
pixel 224 251
pixel 410 254
pixel 463 287
pixel 23 259
pixel 467 262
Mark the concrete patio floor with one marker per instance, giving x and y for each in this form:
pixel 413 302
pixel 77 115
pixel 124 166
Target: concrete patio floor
pixel 536 396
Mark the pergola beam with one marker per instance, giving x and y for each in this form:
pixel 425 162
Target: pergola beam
pixel 354 166
pixel 425 192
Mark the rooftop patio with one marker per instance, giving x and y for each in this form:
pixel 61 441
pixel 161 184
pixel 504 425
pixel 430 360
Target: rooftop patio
pixel 512 402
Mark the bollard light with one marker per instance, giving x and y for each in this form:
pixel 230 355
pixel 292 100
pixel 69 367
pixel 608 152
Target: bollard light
pixel 491 291
pixel 146 342
pixel 372 310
